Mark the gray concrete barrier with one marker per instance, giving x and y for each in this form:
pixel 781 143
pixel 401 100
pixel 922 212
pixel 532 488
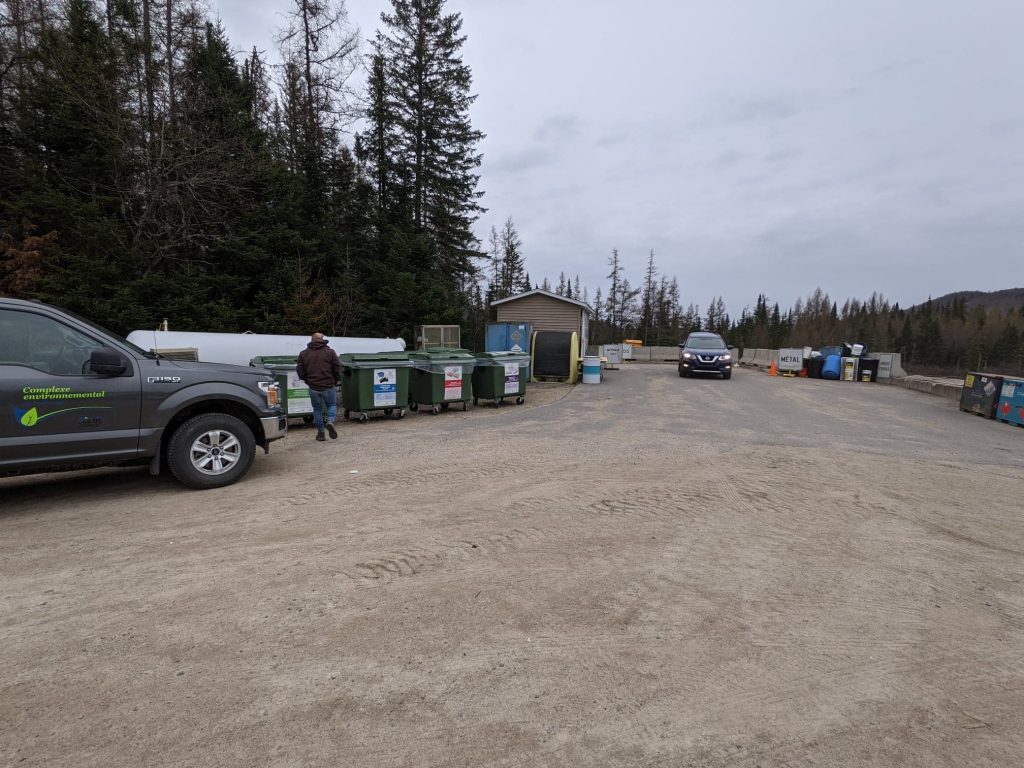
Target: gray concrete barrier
pixel 932 385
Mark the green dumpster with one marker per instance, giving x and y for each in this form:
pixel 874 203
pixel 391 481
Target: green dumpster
pixel 441 377
pixel 294 391
pixel 499 375
pixel 374 382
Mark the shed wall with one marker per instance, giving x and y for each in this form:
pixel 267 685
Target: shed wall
pixel 546 314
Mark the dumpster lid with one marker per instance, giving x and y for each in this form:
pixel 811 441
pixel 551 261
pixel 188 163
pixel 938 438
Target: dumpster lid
pixel 442 354
pixel 435 358
pixel 273 361
pixel 500 358
pixel 375 360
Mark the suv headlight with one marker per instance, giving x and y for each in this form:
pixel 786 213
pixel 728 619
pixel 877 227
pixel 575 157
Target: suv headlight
pixel 687 356
pixel 727 357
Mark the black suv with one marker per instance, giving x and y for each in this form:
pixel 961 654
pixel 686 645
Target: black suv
pixel 74 395
pixel 705 353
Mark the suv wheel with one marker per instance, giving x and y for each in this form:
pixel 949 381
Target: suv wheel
pixel 727 375
pixel 210 451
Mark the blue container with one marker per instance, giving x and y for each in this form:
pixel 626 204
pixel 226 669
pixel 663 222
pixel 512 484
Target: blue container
pixel 1010 409
pixel 509 337
pixel 833 364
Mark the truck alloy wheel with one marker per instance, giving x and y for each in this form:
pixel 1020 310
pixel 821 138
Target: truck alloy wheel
pixel 210 451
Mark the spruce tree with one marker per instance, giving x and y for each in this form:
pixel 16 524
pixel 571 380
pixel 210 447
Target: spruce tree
pixel 428 95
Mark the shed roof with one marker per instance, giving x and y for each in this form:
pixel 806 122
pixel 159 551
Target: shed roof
pixel 542 292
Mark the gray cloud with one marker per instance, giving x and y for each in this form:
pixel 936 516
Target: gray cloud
pixel 558 129
pixel 755 146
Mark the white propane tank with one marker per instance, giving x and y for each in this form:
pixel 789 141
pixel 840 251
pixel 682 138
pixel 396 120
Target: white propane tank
pixel 240 348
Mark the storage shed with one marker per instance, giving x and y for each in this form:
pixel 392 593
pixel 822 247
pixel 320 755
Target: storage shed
pixel 546 311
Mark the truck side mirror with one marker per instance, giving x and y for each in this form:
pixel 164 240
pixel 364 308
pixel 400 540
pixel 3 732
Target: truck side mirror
pixel 106 361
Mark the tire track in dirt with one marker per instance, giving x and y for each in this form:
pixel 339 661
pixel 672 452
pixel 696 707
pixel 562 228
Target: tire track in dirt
pixel 412 561
pixel 568 519
pixel 1013 615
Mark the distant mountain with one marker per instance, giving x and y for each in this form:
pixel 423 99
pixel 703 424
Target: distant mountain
pixel 1010 298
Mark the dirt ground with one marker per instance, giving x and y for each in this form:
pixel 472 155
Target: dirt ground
pixel 649 572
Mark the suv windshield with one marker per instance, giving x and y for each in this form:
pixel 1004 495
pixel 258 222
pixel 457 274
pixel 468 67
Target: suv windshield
pixel 705 342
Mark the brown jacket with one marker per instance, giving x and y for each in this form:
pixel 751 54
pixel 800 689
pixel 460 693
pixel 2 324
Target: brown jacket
pixel 318 366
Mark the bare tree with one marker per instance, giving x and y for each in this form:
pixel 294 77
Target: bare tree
pixel 321 48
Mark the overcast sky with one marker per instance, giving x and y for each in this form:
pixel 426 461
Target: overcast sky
pixel 755 145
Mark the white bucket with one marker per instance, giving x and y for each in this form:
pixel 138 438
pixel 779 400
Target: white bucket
pixel 592 370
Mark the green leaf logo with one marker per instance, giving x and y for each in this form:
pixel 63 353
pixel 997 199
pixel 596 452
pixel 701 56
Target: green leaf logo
pixel 29 417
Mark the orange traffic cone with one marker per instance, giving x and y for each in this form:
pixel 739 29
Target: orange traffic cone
pixel 773 369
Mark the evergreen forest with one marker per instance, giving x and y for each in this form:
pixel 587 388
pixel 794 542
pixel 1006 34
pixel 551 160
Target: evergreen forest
pixel 148 172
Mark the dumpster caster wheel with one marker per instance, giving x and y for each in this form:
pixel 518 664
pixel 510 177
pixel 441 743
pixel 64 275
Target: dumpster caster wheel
pixel 345 414
pixel 414 407
pixel 465 405
pixel 476 401
pixel 363 417
pixel 400 414
pixel 307 420
pixel 499 402
pixel 444 406
pixel 520 400
pixel 388 411
pixel 435 410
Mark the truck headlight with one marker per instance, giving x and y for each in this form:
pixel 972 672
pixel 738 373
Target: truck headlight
pixel 272 392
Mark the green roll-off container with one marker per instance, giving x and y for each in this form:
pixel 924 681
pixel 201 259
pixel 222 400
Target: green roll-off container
pixel 441 377
pixel 499 375
pixel 294 391
pixel 374 382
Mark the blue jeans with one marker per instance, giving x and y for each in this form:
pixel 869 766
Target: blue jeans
pixel 319 398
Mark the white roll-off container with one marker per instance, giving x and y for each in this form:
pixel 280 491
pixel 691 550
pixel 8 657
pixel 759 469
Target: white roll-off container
pixel 240 348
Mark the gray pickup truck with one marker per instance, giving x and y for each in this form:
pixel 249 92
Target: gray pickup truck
pixel 74 395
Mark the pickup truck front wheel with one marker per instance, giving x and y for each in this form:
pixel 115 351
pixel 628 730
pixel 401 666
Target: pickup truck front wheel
pixel 210 451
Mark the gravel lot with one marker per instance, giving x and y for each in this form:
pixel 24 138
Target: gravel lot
pixel 650 572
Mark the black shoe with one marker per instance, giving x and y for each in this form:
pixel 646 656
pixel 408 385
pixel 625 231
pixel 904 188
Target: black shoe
pixel 320 437
pixel 332 431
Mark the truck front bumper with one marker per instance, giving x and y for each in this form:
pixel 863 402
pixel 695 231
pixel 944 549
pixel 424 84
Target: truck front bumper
pixel 274 427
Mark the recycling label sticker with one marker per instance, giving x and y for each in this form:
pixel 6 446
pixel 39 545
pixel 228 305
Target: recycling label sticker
pixel 511 378
pixel 385 387
pixel 453 382
pixel 298 395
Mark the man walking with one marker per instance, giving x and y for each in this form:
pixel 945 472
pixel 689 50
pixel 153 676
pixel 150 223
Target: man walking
pixel 320 368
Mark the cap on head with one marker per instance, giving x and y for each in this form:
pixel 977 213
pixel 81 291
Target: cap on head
pixel 318 336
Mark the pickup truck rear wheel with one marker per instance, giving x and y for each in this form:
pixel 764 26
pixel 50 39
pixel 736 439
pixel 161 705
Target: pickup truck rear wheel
pixel 210 451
